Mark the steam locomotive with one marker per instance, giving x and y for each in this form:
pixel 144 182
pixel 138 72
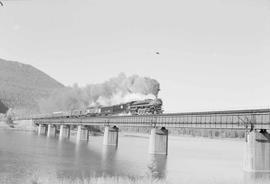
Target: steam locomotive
pixel 142 107
pixel 148 106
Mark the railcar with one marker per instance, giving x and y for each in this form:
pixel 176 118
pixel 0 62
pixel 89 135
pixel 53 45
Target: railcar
pixel 115 109
pixel 141 107
pixel 148 106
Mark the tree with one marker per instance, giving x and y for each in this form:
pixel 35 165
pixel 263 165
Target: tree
pixel 9 118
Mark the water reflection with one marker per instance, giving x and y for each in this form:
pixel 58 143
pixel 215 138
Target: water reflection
pixel 157 167
pixel 109 154
pixel 25 156
pixel 257 177
pixel 78 145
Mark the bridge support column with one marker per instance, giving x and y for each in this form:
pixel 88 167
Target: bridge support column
pixel 79 132
pixel 64 131
pixel 158 143
pixel 45 129
pixel 88 134
pixel 111 136
pixel 68 131
pixel 61 133
pixel 50 130
pixel 39 129
pixel 257 156
pixel 84 134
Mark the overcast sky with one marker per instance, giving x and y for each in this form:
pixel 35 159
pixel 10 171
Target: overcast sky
pixel 214 54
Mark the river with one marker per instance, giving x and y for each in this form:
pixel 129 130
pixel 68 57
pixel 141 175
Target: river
pixel 25 155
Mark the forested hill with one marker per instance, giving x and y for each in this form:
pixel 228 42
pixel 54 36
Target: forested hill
pixel 21 85
pixel 3 108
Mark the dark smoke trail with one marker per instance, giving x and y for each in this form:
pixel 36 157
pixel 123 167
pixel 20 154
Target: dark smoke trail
pixel 116 90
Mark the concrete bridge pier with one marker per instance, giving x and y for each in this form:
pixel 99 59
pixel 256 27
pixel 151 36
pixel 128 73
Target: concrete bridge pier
pixel 42 129
pixel 111 136
pixel 61 132
pixel 45 129
pixel 79 132
pixel 39 129
pixel 67 131
pixel 50 130
pixel 64 131
pixel 158 143
pixel 257 155
pixel 84 134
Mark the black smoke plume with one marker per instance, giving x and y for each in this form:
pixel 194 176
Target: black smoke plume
pixel 116 90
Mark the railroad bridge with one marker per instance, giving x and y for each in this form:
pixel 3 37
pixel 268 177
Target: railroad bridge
pixel 256 122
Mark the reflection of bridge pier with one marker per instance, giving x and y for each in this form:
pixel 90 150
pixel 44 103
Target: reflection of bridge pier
pixel 157 166
pixel 109 154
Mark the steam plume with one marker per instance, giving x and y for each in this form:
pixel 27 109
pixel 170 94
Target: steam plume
pixel 116 90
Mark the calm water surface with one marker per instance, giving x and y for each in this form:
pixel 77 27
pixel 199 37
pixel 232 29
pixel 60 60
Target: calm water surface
pixel 190 160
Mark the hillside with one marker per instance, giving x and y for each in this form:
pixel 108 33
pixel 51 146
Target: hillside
pixel 21 86
pixel 3 108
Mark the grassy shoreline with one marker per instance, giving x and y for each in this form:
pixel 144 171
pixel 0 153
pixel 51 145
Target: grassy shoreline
pixel 133 180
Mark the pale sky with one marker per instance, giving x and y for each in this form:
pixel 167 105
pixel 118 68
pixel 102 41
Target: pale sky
pixel 214 54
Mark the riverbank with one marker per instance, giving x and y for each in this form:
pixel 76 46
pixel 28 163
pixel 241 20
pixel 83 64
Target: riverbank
pixel 98 180
pixel 128 180
pixel 22 125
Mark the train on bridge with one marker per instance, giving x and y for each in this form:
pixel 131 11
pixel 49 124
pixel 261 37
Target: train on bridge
pixel 140 107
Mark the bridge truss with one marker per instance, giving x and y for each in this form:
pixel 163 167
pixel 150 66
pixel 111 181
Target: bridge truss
pixel 235 119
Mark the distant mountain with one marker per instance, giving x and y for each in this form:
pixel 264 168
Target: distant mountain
pixel 21 86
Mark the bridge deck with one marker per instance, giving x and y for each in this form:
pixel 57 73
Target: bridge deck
pixel 237 119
